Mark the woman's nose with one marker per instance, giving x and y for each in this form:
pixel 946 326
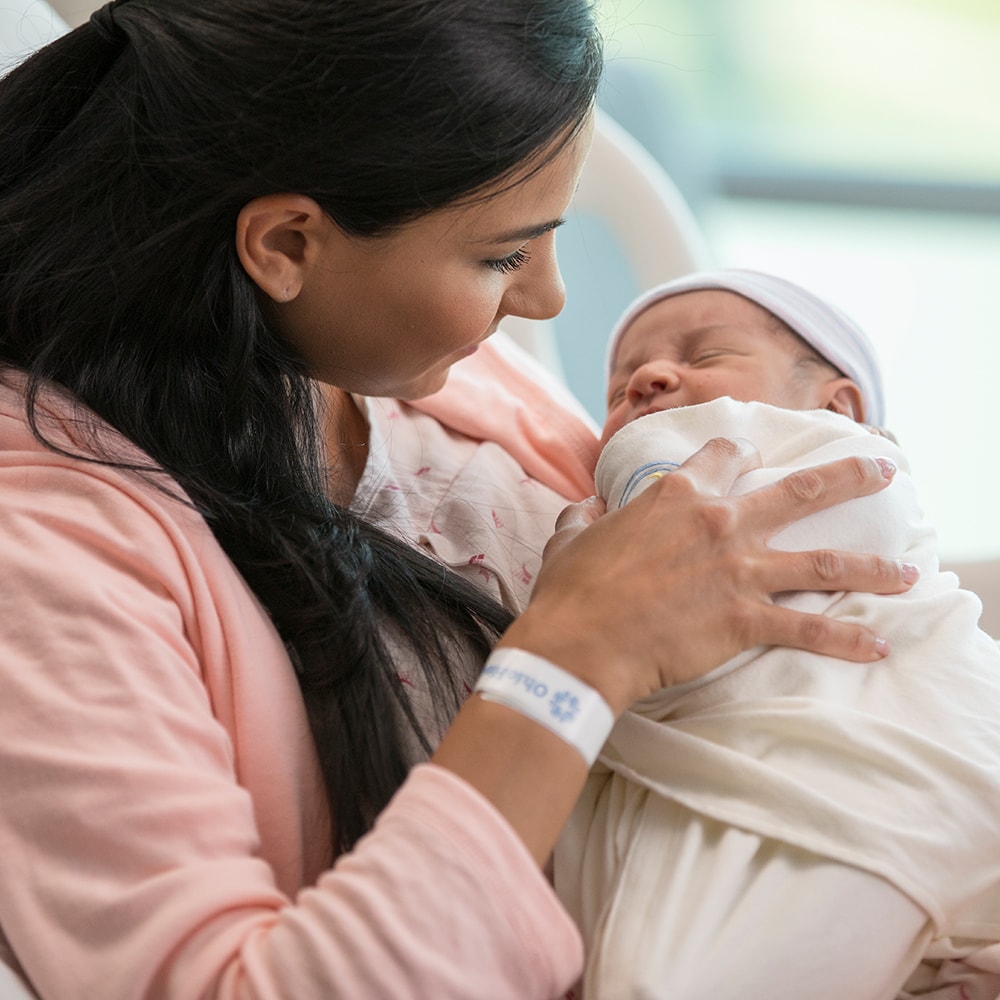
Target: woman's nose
pixel 538 292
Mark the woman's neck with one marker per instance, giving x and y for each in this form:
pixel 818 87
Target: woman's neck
pixel 346 436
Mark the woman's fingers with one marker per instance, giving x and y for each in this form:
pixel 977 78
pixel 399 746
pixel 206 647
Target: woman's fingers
pixel 571 521
pixel 809 490
pixel 819 634
pixel 577 516
pixel 716 466
pixel 829 570
pixel 682 578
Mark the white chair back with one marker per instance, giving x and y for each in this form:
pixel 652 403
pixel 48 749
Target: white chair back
pixel 25 25
pixel 12 987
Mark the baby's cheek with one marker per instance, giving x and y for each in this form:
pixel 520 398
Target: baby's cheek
pixel 616 419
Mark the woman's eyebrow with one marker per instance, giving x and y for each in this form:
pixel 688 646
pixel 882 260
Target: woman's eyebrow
pixel 524 234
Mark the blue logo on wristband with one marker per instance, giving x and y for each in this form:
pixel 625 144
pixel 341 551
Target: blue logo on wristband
pixel 550 696
pixel 564 706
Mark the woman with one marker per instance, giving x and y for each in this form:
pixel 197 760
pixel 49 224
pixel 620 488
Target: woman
pixel 205 207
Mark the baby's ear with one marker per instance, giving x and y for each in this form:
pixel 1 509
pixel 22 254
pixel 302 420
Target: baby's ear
pixel 843 396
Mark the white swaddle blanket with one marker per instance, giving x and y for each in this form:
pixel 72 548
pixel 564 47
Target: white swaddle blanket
pixel 892 767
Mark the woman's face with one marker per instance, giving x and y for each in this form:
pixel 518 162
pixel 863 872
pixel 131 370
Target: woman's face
pixel 389 315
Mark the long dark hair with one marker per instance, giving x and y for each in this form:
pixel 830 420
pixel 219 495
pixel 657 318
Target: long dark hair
pixel 126 153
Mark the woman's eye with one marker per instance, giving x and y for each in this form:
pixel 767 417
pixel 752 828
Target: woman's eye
pixel 510 263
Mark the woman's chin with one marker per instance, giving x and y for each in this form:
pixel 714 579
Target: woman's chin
pixel 424 385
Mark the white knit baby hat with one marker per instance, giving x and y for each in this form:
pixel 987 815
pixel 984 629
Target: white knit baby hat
pixel 821 325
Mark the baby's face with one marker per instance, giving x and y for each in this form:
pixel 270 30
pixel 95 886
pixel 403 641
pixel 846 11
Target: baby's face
pixel 697 346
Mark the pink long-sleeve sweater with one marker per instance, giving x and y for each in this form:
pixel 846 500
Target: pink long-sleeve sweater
pixel 162 827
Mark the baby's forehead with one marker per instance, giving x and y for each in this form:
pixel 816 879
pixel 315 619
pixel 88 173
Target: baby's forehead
pixel 681 320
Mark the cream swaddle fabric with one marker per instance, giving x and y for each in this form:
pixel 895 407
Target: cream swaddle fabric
pixel 892 768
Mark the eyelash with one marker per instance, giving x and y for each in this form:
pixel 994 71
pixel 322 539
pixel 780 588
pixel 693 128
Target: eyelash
pixel 505 265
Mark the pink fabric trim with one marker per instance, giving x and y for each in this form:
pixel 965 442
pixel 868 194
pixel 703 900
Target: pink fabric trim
pixel 489 398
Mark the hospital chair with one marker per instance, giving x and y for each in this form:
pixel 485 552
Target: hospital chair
pixel 982 577
pixel 11 987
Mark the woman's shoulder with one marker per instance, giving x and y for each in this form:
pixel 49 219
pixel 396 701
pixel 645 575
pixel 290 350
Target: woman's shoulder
pixel 74 493
pixel 52 421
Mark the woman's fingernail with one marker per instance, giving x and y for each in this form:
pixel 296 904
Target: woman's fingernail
pixel 888 467
pixel 909 572
pixel 881 646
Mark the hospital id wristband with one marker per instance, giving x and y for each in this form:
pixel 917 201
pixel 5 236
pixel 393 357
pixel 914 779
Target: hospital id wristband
pixel 550 696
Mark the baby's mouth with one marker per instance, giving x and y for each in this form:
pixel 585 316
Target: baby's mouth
pixel 656 408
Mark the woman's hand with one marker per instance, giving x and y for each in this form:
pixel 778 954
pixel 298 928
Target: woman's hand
pixel 660 592
pixel 681 579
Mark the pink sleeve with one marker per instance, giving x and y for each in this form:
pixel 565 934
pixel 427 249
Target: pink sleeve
pixel 440 901
pixel 158 827
pixel 462 909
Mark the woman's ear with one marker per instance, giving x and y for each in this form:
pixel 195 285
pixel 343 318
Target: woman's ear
pixel 842 396
pixel 278 237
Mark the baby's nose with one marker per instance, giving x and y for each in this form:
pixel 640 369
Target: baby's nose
pixel 652 378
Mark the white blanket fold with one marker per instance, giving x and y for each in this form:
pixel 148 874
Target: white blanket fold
pixel 893 767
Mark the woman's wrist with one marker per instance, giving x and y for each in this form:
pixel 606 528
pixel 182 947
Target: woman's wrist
pixel 582 657
pixel 554 698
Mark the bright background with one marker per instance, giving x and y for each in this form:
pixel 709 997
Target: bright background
pixel 850 145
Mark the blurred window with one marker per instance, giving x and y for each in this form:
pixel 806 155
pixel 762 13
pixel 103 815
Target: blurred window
pixel 901 89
